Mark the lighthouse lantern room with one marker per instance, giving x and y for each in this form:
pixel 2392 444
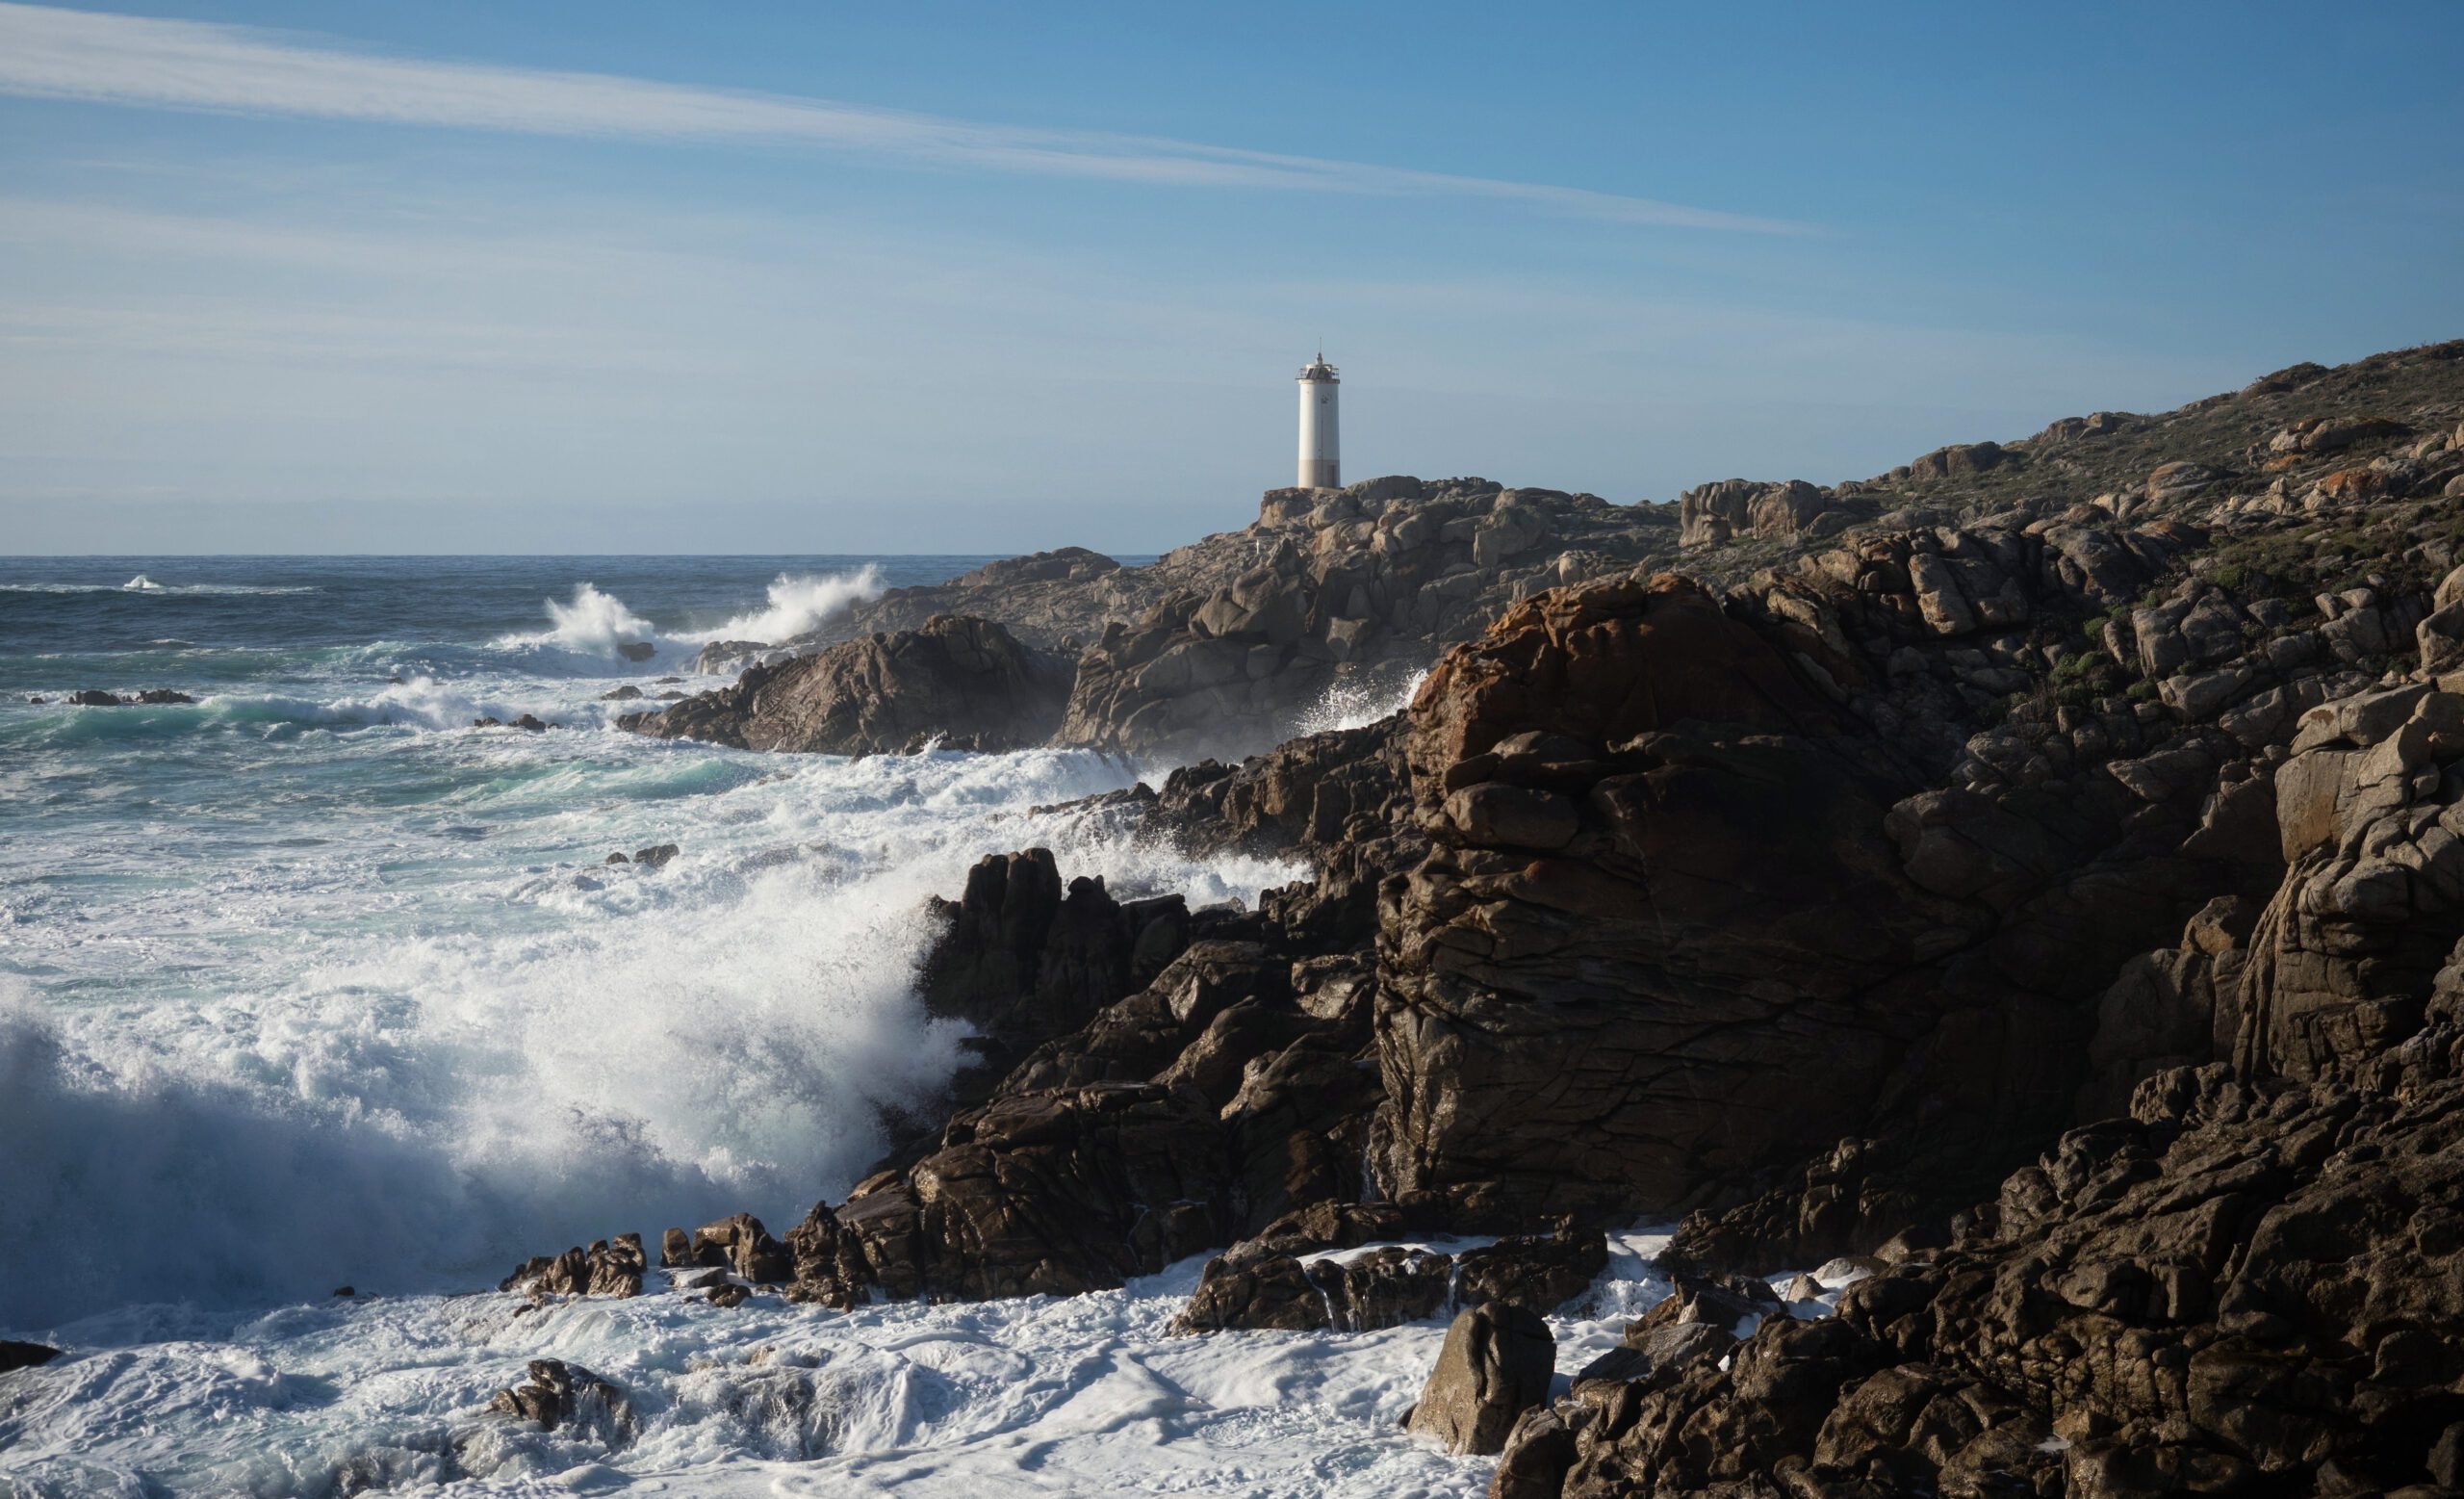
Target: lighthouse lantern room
pixel 1320 464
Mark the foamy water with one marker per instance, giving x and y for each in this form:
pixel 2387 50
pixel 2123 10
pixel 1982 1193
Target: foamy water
pixel 310 984
pixel 1084 1395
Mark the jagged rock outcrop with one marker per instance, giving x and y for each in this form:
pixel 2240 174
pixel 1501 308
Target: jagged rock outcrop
pixel 961 682
pixel 1022 960
pixel 1347 589
pixel 2244 1286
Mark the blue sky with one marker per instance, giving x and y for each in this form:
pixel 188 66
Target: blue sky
pixel 461 276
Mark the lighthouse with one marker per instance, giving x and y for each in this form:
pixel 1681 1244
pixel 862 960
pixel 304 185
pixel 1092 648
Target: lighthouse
pixel 1320 465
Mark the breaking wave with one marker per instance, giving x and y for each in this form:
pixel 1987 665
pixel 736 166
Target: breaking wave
pixel 598 623
pixel 594 623
pixel 798 604
pixel 473 1041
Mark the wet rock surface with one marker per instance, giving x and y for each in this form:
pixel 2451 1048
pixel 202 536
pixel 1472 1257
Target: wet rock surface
pixel 561 1396
pixel 959 681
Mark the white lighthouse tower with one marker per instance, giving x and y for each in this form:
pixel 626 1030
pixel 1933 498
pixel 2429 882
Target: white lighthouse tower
pixel 1321 460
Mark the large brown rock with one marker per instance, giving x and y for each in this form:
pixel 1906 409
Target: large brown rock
pixel 2340 963
pixel 1496 1365
pixel 606 1268
pixel 1603 1026
pixel 963 683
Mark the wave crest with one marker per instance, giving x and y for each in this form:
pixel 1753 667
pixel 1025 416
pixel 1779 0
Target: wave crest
pixel 595 623
pixel 798 604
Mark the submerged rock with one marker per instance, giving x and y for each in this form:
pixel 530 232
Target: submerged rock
pixel 150 697
pixel 561 1396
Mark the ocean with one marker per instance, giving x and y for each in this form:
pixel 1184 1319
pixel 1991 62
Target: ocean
pixel 310 984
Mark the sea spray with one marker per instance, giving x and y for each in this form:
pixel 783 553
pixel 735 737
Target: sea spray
pixel 1357 703
pixel 476 1041
pixel 800 605
pixel 594 623
pixel 597 623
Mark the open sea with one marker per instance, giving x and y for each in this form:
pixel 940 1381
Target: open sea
pixel 310 984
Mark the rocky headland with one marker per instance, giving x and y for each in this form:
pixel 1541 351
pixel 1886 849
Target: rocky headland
pixel 2025 888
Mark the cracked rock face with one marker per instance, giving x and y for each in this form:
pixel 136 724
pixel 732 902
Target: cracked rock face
pixel 1684 918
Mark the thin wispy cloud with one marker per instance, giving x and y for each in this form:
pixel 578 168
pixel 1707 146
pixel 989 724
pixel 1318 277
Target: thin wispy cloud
pixel 98 58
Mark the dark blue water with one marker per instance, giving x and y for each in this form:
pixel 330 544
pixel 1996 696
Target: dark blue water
pixel 82 608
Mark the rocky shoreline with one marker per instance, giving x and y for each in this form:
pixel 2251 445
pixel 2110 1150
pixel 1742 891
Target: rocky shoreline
pixel 2024 890
pixel 2045 905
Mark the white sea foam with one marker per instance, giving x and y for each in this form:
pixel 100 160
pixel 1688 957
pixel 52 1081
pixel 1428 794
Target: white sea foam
pixel 421 1046
pixel 798 604
pixel 1083 1395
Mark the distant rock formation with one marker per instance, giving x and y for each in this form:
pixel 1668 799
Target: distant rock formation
pixel 1714 514
pixel 967 683
pixel 1358 586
